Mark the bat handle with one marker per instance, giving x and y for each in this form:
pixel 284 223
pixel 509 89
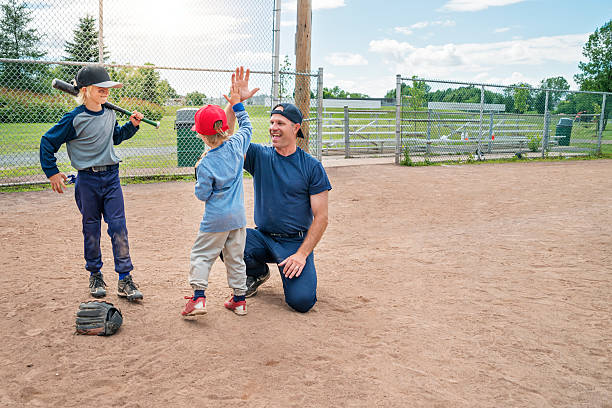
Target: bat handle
pixel 127 112
pixel 151 122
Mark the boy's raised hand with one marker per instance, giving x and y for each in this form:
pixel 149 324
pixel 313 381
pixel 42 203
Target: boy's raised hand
pixel 234 97
pixel 242 80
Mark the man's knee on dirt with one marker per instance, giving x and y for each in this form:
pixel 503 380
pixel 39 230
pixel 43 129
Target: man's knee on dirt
pixel 301 302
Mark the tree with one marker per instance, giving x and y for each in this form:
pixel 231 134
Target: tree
pixel 417 94
pixel 392 92
pixel 195 98
pixel 521 97
pixel 597 72
pixel 553 97
pixel 285 79
pixel 17 41
pixel 142 83
pixel 334 93
pixel 406 91
pixel 83 47
pixel 580 102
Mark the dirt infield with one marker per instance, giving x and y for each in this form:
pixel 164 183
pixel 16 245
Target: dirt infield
pixel 452 286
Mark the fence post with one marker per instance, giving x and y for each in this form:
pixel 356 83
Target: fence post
pixel 546 127
pixel 347 135
pixel 276 52
pixel 428 143
pixel 479 149
pixel 490 132
pixel 601 123
pixel 398 117
pixel 101 32
pixel 320 114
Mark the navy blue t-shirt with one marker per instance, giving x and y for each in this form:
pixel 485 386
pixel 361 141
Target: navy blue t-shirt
pixel 283 186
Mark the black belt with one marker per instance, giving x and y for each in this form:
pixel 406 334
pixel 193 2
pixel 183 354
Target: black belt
pixel 300 234
pixel 97 169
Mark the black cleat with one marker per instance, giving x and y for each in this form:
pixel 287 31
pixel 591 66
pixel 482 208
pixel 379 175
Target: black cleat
pixel 254 282
pixel 97 286
pixel 127 288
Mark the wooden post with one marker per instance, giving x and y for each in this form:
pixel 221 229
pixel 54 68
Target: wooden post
pixel 302 64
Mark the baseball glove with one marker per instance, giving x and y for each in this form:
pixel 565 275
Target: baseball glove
pixel 98 318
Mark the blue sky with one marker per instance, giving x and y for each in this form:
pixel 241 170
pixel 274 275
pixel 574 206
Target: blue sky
pixel 363 44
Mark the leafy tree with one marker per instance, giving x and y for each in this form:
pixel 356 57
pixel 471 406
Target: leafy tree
pixel 417 94
pixel 334 93
pixel 392 92
pixel 195 98
pixel 597 72
pixel 553 97
pixel 142 83
pixel 521 97
pixel 408 91
pixel 357 95
pixel 148 81
pixel 17 41
pixel 165 90
pixel 83 47
pixel 285 79
pixel 580 102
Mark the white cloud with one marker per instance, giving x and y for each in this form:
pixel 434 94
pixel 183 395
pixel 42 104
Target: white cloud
pixel 421 24
pixel 424 24
pixel 345 59
pixel 288 23
pixel 475 5
pixel 403 30
pixel 473 59
pixel 501 30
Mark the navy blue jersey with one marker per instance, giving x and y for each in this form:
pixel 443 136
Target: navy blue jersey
pixel 283 186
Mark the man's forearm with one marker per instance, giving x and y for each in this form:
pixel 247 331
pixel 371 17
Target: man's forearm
pixel 314 235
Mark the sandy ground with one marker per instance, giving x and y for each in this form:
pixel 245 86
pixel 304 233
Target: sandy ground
pixel 454 286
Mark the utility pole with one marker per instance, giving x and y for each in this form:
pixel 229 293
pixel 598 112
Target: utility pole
pixel 302 64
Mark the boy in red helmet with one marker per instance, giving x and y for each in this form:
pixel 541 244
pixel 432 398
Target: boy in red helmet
pixel 219 185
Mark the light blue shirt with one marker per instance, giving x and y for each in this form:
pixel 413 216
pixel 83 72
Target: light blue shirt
pixel 219 181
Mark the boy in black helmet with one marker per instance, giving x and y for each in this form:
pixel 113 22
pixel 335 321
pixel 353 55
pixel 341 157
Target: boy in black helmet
pixel 90 131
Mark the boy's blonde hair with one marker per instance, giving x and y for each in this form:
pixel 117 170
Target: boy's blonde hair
pixel 81 98
pixel 220 136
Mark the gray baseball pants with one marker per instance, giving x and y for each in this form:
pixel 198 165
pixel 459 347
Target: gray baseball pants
pixel 206 250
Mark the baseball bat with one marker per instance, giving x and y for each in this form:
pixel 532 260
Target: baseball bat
pixel 74 91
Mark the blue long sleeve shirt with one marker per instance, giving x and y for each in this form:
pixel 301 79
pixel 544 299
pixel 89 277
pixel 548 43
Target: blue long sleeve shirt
pixel 89 138
pixel 219 181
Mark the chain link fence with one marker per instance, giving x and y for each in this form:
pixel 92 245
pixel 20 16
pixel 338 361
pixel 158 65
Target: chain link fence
pixel 462 121
pixel 172 59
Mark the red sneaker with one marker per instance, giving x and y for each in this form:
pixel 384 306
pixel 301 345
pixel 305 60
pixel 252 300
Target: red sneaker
pixel 194 308
pixel 238 307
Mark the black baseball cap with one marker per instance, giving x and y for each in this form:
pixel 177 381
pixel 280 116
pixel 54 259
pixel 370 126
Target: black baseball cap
pixel 291 112
pixel 95 75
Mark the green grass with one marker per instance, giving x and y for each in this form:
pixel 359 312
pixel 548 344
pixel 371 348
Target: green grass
pixel 24 138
